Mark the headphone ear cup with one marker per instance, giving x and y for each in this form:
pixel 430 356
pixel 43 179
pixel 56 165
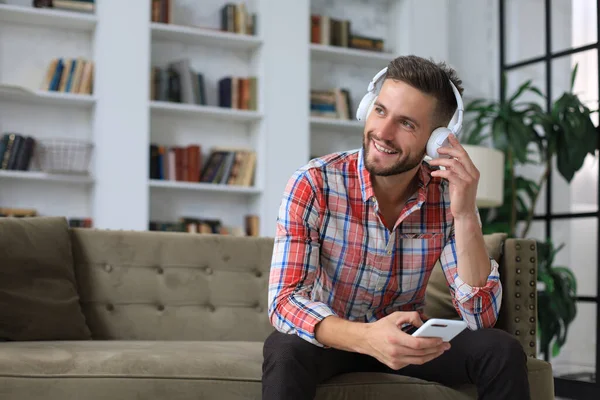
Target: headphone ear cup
pixel 438 138
pixel 365 106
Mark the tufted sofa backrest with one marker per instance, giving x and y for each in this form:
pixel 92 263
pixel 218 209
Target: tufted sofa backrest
pixel 172 286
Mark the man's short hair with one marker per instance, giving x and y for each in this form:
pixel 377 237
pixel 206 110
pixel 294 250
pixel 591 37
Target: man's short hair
pixel 431 78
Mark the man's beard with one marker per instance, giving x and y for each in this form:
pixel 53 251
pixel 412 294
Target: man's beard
pixel 397 168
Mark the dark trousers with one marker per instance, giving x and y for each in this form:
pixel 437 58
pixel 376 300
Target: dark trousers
pixel 491 359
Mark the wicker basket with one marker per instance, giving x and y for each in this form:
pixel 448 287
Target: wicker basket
pixel 65 156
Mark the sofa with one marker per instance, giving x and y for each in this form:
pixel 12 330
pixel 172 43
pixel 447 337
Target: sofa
pixel 107 314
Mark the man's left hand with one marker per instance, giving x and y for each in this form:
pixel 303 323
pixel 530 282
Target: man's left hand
pixel 462 175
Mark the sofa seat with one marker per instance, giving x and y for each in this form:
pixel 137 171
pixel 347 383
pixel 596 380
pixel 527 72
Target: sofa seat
pixel 178 370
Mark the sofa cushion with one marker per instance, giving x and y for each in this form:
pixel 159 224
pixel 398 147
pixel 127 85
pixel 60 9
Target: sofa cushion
pixel 438 301
pixel 181 370
pixel 38 293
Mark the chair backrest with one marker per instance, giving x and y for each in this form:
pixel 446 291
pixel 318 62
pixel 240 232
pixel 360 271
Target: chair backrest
pixel 172 286
pixel 179 286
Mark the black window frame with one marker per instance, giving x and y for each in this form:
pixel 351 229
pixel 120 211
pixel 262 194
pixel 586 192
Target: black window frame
pixel 567 388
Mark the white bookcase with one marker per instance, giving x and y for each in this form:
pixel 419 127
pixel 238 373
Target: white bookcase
pixel 121 119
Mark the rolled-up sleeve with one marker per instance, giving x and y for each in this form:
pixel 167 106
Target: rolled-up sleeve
pixel 478 306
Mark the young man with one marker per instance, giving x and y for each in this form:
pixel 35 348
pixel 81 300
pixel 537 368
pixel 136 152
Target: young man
pixel 358 234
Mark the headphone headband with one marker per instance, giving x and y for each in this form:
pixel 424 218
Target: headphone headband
pixel 377 79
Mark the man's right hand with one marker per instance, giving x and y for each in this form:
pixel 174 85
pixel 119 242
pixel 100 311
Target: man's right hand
pixel 385 341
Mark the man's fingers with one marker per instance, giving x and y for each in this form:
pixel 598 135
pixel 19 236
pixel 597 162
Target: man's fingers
pixel 422 360
pixel 411 317
pixel 420 343
pixel 410 352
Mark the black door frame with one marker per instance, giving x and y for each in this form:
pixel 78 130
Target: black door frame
pixel 567 388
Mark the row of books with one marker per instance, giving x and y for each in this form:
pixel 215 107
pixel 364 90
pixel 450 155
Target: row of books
pixel 68 5
pixel 185 164
pixel 331 31
pixel 234 17
pixel 15 212
pixel 16 151
pixel 69 75
pixel 179 83
pixel 207 226
pixel 333 103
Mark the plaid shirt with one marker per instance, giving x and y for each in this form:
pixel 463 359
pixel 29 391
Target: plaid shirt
pixel 333 255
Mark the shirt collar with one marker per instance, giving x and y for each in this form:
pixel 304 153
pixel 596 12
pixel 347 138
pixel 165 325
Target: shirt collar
pixel 366 186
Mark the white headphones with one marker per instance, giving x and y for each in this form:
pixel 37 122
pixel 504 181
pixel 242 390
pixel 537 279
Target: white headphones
pixel 438 138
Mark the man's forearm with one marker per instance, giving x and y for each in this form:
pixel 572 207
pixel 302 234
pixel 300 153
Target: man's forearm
pixel 473 259
pixel 342 334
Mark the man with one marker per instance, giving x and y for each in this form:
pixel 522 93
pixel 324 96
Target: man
pixel 358 234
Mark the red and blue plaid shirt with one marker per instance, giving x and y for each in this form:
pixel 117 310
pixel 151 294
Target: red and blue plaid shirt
pixel 334 256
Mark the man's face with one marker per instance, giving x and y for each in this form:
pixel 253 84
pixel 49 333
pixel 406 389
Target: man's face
pixel 397 129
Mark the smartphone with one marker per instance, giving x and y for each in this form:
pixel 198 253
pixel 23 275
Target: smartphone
pixel 446 329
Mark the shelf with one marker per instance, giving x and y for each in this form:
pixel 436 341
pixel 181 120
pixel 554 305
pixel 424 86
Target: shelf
pixel 205 187
pixel 351 126
pixel 203 36
pixel 335 54
pixel 46 177
pixel 171 108
pixel 19 93
pixel 47 17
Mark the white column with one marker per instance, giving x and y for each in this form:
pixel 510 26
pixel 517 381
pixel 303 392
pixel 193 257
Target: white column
pixel 122 54
pixel 420 28
pixel 285 93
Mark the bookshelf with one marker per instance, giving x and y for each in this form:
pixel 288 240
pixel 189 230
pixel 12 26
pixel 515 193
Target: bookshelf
pixel 204 187
pixel 207 36
pixel 30 38
pixel 338 29
pixel 20 13
pixel 34 96
pixel 342 55
pixel 123 116
pixel 46 177
pixel 164 108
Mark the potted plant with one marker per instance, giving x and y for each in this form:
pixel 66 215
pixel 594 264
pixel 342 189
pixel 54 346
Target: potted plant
pixel 528 134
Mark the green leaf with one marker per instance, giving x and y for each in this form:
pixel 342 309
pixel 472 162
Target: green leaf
pixel 573 75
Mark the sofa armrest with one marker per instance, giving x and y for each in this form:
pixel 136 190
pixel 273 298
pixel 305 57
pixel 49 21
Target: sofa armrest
pixel 518 274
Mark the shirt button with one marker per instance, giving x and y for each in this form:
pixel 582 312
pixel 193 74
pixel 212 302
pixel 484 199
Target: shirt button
pixel 389 252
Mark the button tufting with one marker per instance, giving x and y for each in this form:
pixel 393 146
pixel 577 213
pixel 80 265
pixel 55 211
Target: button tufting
pixel 532 271
pixel 518 270
pixel 159 270
pixel 108 267
pixel 532 247
pixel 518 295
pixel 531 344
pixel 208 270
pixel 532 319
pixel 110 307
pixel 518 282
pixel 531 306
pixel 517 332
pixel 518 259
pixel 532 283
pixel 258 273
pixel 532 295
pixel 532 259
pixel 517 307
pixel 517 320
pixel 532 332
pixel 160 307
pixel 210 307
pixel 518 246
